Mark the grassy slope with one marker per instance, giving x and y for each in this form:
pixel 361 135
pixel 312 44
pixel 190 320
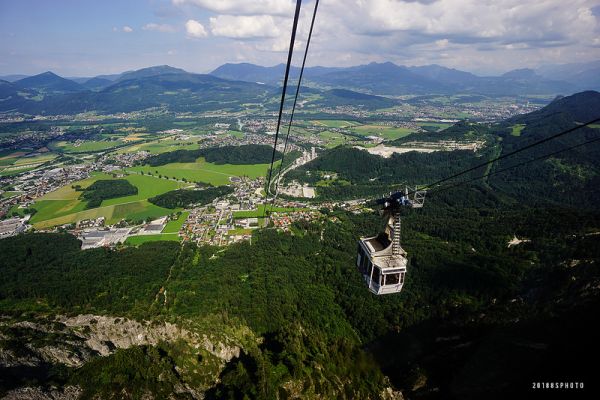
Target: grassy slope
pixel 202 171
pixel 137 240
pixel 175 225
pixel 63 206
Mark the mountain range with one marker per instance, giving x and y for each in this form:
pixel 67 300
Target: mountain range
pixel 231 85
pixel 391 79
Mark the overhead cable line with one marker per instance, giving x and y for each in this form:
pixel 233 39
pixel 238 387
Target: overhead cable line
pixel 285 83
pixel 443 189
pixel 312 24
pixel 562 133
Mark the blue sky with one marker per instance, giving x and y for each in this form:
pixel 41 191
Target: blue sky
pixel 87 38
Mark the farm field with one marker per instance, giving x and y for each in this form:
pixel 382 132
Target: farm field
pixel 335 123
pixel 85 146
pixel 161 146
pixel 10 157
pixel 36 159
pixel 12 163
pixel 240 231
pixel 439 125
pixel 174 226
pixel 138 240
pixel 14 170
pixel 260 211
pixel 202 171
pixel 517 129
pixel 6 195
pixel 333 139
pixel 385 132
pixel 63 205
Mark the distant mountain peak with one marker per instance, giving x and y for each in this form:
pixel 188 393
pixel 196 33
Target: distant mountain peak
pixel 151 71
pixel 49 82
pixel 522 73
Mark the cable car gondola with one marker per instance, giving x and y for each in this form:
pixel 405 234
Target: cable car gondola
pixel 381 260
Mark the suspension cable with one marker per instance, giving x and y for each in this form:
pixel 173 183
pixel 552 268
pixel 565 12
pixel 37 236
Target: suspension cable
pixel 312 24
pixel 562 133
pixel 443 189
pixel 285 83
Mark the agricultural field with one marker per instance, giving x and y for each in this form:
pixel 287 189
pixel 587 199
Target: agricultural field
pixel 86 146
pixel 64 206
pixel 202 171
pixel 138 240
pixel 6 195
pixel 517 129
pixel 385 132
pixel 260 211
pixel 161 146
pixel 12 163
pixel 237 134
pixel 174 226
pixel 336 123
pixel 10 157
pixel 240 231
pixel 333 139
pixel 439 125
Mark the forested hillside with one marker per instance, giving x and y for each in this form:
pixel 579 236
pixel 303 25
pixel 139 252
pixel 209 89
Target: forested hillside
pixel 323 332
pixel 245 154
pixel 187 198
pixel 560 180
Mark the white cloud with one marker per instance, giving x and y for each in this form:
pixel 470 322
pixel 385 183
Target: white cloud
pixel 127 29
pixel 158 27
pixel 244 27
pixel 195 29
pixel 442 42
pixel 479 35
pixel 243 7
pixel 414 32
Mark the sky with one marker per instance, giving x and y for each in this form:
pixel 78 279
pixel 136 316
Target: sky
pixel 487 37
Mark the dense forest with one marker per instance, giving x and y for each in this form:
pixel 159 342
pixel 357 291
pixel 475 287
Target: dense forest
pixel 104 189
pixel 186 197
pixel 369 174
pixel 245 154
pixel 302 294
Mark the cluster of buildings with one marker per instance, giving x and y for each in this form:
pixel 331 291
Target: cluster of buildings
pixel 34 184
pixel 13 226
pixel 103 237
pixel 217 223
pixel 92 233
pixel 285 220
pixel 122 160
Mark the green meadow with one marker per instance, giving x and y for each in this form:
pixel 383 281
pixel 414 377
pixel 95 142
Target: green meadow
pixel 333 139
pixel 202 171
pixel 517 129
pixel 260 211
pixel 161 146
pixel 174 226
pixel 335 123
pixel 12 163
pixel 85 146
pixel 385 132
pixel 138 240
pixel 63 206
